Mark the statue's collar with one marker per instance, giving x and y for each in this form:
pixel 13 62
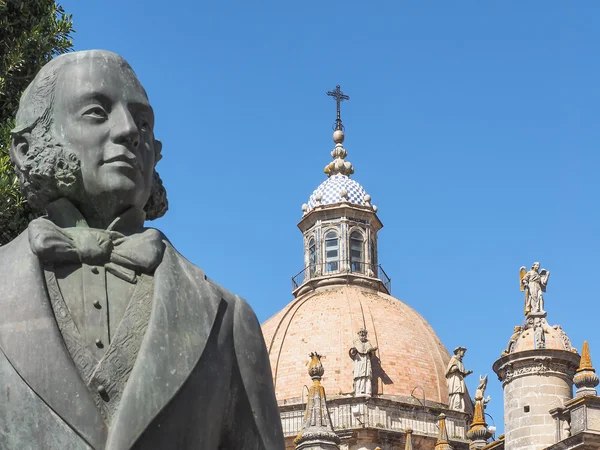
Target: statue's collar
pixel 64 214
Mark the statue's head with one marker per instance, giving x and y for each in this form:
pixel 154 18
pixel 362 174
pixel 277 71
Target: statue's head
pixel 84 131
pixel 362 335
pixel 482 382
pixel 536 266
pixel 460 351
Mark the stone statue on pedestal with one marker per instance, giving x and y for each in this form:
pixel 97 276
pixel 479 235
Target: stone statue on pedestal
pixel 479 432
pixel 109 338
pixel 455 380
pixel 513 340
pixel 534 283
pixel 361 352
pixel 539 335
pixel 480 392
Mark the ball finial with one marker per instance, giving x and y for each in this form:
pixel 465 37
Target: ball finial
pixel 338 136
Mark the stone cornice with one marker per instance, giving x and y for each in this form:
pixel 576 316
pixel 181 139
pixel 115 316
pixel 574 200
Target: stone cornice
pixel 495 445
pixel 580 441
pixel 353 278
pixel 591 400
pixel 559 363
pixel 339 211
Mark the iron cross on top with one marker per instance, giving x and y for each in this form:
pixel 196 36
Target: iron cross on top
pixel 339 98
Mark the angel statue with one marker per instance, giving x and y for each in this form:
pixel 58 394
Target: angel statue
pixel 534 283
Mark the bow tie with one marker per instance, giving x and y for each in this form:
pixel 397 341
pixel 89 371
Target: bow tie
pixel 120 255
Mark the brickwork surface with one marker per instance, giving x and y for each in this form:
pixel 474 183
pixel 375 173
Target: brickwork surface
pixel 410 353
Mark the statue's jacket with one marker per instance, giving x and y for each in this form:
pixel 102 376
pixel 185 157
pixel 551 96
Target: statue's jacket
pixel 201 378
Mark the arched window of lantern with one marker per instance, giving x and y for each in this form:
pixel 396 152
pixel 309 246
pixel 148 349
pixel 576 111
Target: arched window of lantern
pixel 312 257
pixel 332 252
pixel 357 252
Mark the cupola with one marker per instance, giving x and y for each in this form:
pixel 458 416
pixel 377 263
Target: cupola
pixel 339 226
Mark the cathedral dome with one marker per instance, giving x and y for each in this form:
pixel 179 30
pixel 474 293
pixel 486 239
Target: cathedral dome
pixel 336 189
pixel 410 361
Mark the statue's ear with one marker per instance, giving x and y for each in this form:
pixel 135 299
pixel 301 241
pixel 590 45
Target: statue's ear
pixel 19 148
pixel 157 151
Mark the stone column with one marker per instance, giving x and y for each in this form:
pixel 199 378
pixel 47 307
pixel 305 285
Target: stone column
pixel 534 382
pixel 442 442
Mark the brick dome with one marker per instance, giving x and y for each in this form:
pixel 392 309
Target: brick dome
pixel 409 356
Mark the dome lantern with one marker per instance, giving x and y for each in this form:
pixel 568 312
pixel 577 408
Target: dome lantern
pixel 340 224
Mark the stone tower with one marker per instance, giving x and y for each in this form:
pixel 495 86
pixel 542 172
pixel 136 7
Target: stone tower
pixel 536 371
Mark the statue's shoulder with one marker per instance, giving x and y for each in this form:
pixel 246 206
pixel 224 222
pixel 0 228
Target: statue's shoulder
pixel 19 267
pixel 199 276
pixel 14 251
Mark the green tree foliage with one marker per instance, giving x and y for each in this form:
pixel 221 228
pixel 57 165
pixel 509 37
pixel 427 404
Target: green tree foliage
pixel 32 32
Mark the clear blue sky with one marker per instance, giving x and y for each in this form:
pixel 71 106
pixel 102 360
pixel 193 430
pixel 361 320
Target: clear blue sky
pixel 473 125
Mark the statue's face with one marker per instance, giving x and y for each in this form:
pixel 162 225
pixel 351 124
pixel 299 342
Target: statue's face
pixel 102 115
pixel 363 336
pixel 536 266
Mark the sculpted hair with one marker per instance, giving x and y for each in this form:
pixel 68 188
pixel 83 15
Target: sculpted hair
pixel 50 171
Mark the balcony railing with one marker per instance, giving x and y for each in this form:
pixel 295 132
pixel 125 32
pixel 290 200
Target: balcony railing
pixel 341 268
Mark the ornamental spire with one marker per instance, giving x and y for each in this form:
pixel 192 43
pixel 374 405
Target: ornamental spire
pixel 585 378
pixel 442 441
pixel 409 432
pixel 339 165
pixel 479 432
pixel 317 430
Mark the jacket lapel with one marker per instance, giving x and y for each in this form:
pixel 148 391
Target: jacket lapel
pixel 31 340
pixel 184 309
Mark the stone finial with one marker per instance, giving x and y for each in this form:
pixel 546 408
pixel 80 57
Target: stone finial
pixel 409 432
pixel 479 433
pixel 317 431
pixel 442 441
pixel 315 368
pixel 339 164
pixel 585 377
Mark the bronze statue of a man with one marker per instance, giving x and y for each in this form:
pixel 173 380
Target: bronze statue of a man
pixel 109 338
